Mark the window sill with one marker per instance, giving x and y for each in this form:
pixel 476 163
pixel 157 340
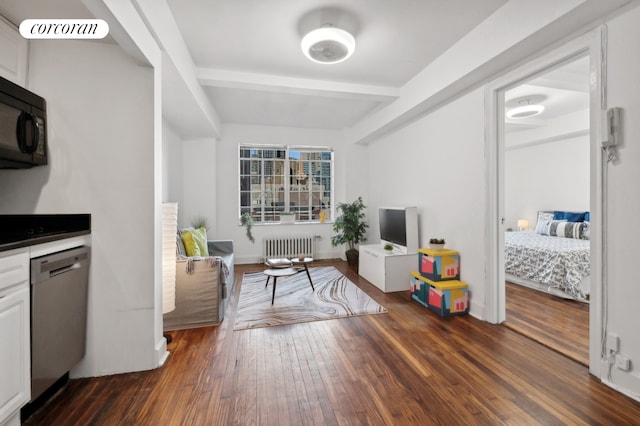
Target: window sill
pixel 327 222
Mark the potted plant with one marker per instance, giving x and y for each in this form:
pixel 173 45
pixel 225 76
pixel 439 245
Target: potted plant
pixel 436 243
pixel 247 221
pixel 388 248
pixel 287 217
pixel 200 222
pixel 351 228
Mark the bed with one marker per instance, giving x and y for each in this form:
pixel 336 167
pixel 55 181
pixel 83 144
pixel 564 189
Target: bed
pixel 554 258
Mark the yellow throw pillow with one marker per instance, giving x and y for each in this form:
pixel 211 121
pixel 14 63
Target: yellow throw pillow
pixel 190 246
pixel 200 237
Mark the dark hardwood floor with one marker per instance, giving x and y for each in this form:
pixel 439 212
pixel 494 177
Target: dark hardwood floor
pixel 407 366
pixel 560 324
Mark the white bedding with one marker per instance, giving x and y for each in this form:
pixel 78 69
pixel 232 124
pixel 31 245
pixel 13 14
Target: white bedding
pixel 559 263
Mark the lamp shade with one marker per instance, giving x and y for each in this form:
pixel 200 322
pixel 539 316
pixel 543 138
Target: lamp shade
pixel 523 224
pixel 169 230
pixel 328 45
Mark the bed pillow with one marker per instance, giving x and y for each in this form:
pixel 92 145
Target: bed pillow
pixel 544 219
pixel 551 229
pixel 585 231
pixel 568 230
pixel 569 216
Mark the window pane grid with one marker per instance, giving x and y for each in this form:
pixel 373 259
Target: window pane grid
pixel 276 179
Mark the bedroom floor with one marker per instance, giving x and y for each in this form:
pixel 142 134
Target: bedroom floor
pixel 560 324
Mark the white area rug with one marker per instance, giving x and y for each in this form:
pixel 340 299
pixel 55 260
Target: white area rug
pixel 334 297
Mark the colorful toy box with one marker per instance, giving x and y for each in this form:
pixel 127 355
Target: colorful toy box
pixel 446 298
pixel 419 288
pixel 439 265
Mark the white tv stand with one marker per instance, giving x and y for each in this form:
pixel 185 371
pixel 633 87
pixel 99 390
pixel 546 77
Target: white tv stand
pixel 387 271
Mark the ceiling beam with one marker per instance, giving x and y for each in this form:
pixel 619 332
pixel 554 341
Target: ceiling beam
pixel 292 85
pixel 127 29
pixel 163 26
pixel 566 81
pixel 499 42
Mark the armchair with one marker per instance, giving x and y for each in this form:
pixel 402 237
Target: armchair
pixel 202 287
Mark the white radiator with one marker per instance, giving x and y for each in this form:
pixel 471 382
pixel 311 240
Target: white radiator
pixel 288 246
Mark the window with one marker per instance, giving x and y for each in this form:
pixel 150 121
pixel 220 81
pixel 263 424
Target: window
pixel 276 179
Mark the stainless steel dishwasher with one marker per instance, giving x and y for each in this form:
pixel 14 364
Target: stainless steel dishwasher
pixel 59 288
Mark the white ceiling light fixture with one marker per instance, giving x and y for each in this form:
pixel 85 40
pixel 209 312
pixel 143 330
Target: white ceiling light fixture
pixel 525 110
pixel 328 45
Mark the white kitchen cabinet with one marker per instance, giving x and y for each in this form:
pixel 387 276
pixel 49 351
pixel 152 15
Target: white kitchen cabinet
pixel 387 271
pixel 15 356
pixel 13 53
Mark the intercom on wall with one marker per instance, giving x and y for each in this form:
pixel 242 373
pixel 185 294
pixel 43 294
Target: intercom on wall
pixel 611 129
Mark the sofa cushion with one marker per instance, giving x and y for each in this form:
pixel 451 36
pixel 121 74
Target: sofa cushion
pixel 180 250
pixel 190 245
pixel 224 249
pixel 200 237
pixel 195 241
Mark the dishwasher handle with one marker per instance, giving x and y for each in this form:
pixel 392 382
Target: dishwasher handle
pixel 49 266
pixel 64 269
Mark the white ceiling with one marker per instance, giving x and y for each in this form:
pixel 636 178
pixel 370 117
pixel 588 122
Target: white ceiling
pixel 249 63
pixel 564 90
pixel 394 41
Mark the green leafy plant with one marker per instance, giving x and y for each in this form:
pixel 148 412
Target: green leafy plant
pixel 200 222
pixel 388 247
pixel 247 221
pixel 350 225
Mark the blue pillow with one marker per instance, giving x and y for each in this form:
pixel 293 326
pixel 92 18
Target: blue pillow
pixel 587 217
pixel 568 216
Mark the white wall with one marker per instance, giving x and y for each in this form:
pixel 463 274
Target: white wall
pixel 546 176
pixel 199 185
pixel 437 164
pixel 354 173
pixel 101 145
pixel 624 197
pixel 172 174
pixel 228 190
pixel 423 160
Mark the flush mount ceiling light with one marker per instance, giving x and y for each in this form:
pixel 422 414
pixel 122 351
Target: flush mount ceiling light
pixel 328 45
pixel 525 109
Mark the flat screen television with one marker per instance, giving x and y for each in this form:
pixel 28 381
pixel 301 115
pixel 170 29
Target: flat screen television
pixel 399 227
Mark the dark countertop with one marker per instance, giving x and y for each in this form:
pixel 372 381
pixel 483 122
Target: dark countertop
pixel 18 231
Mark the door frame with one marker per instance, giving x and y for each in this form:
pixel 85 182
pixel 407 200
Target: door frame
pixel 592 44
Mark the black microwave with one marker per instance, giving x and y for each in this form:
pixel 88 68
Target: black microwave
pixel 23 127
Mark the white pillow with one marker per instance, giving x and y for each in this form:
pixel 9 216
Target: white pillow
pixel 544 221
pixel 552 227
pixel 568 230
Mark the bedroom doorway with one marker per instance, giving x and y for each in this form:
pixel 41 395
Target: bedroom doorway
pixel 501 215
pixel 547 168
